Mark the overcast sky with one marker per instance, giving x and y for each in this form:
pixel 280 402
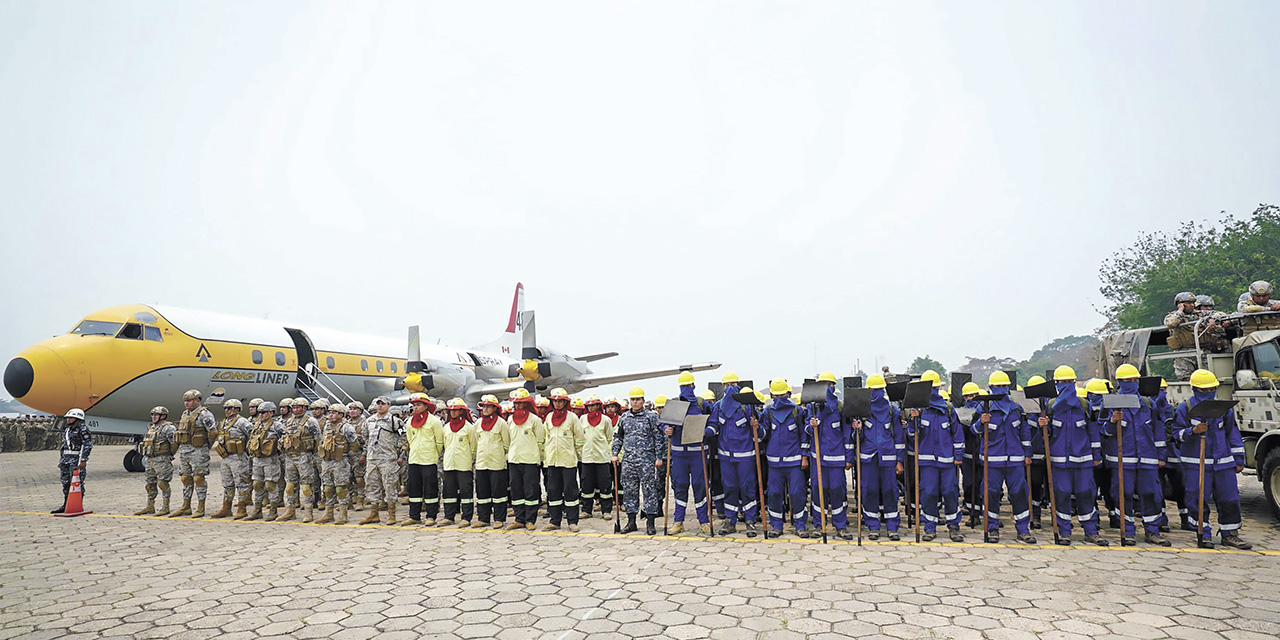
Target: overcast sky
pixel 782 187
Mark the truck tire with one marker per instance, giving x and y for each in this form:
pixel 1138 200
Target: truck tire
pixel 1269 473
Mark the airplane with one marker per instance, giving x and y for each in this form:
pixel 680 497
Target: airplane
pixel 119 362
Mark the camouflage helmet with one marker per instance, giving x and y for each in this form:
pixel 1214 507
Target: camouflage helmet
pixel 355 404
pixel 1203 301
pixel 161 410
pixel 300 402
pixel 320 404
pixel 232 404
pixel 1260 288
pixel 1185 296
pixel 253 404
pixel 266 406
pixel 287 402
pixel 337 406
pixel 191 395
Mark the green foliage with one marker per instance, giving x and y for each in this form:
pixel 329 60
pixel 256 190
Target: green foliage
pixel 1079 352
pixel 1219 260
pixel 925 363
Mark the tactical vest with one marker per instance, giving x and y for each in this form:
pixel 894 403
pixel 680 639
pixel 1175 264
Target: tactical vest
pixel 155 446
pixel 261 445
pixel 225 444
pixel 333 446
pixel 298 439
pixel 189 431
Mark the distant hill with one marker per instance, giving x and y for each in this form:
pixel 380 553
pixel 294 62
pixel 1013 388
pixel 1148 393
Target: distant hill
pixel 1079 352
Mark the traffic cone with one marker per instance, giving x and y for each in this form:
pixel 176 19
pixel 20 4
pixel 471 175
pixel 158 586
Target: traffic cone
pixel 75 499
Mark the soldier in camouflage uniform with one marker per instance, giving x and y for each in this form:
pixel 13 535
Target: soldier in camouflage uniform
pixel 384 450
pixel 77 442
pixel 1258 298
pixel 264 453
pixel 157 455
pixel 642 445
pixel 335 466
pixel 282 416
pixel 301 433
pixel 1181 324
pixel 253 408
pixel 193 439
pixel 319 408
pixel 229 442
pixel 355 417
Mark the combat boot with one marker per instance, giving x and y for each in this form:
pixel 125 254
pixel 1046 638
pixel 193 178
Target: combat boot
pixel 372 518
pixel 341 518
pixel 391 512
pixel 150 508
pixel 327 517
pixel 649 528
pixel 164 506
pixel 1156 539
pixel 199 512
pixel 271 514
pixel 513 526
pixel 311 513
pixel 1186 523
pixel 1232 540
pixel 240 513
pixel 631 523
pixel 675 529
pixel 289 514
pixel 225 511
pixel 184 510
pixel 257 512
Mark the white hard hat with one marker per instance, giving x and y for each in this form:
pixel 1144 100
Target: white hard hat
pixel 75 413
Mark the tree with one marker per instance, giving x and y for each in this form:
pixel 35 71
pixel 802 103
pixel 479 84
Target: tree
pixel 982 368
pixel 925 363
pixel 1220 260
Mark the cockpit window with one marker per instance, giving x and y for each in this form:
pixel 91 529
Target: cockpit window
pixel 153 334
pixel 97 328
pixel 145 316
pixel 131 331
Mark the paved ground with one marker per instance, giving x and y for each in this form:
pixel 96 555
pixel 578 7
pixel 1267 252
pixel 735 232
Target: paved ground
pixel 113 575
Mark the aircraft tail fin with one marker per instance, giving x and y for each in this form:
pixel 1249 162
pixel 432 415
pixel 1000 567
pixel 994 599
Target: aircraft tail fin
pixel 511 342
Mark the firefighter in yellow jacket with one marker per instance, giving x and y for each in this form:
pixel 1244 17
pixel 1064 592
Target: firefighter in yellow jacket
pixel 563 451
pixel 595 471
pixel 493 440
pixel 528 437
pixel 459 461
pixel 424 434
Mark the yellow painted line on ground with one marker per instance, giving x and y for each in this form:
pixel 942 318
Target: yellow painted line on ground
pixel 790 540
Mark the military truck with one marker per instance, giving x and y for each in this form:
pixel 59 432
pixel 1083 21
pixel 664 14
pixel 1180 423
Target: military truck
pixel 1247 365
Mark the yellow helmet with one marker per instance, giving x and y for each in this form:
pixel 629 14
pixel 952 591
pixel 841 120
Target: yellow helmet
pixel 577 403
pixel 1127 372
pixel 707 394
pixel 1203 379
pixel 1164 384
pixel 826 376
pixel 728 377
pixel 1064 374
pixel 931 376
pixel 636 392
pixel 970 388
pixel 876 381
pixel 520 394
pixel 489 399
pixel 418 397
pixel 779 387
pixel 747 390
pixel 1096 386
pixel 1035 380
pixel 998 379
pixel 1081 393
pixel 592 399
pixel 660 401
pixel 543 402
pixel 760 396
pixel 456 403
pixel 686 377
pixel 558 393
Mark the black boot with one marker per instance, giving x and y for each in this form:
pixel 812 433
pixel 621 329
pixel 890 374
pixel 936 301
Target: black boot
pixel 631 523
pixel 649 528
pixel 63 508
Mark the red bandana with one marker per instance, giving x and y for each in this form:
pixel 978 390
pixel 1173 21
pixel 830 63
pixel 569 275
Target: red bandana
pixel 417 420
pixel 558 417
pixel 593 418
pixel 456 423
pixel 487 422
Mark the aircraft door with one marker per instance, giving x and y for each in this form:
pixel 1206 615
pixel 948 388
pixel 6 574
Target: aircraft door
pixel 306 355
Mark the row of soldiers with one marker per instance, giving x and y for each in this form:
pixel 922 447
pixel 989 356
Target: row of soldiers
pixel 791 459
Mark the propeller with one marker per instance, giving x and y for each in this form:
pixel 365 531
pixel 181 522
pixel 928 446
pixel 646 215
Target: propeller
pixel 417 379
pixel 534 366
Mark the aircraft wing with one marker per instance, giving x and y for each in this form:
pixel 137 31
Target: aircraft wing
pixel 500 389
pixel 596 356
pixel 598 379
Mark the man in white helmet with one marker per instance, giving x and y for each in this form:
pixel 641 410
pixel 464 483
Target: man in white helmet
pixel 77 442
pixel 158 448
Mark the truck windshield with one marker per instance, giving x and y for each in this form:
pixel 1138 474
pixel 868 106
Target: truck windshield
pixel 1267 360
pixel 97 328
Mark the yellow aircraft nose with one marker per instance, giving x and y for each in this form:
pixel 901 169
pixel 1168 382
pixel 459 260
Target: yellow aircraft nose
pixel 40 379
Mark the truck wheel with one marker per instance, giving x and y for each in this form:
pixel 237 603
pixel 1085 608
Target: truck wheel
pixel 133 462
pixel 1270 476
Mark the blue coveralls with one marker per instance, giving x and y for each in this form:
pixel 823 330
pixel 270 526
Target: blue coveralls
pixel 883 445
pixel 732 422
pixel 1143 451
pixel 941 446
pixel 1074 446
pixel 1008 446
pixel 783 422
pixel 835 442
pixel 1223 453
pixel 1172 470
pixel 686 464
